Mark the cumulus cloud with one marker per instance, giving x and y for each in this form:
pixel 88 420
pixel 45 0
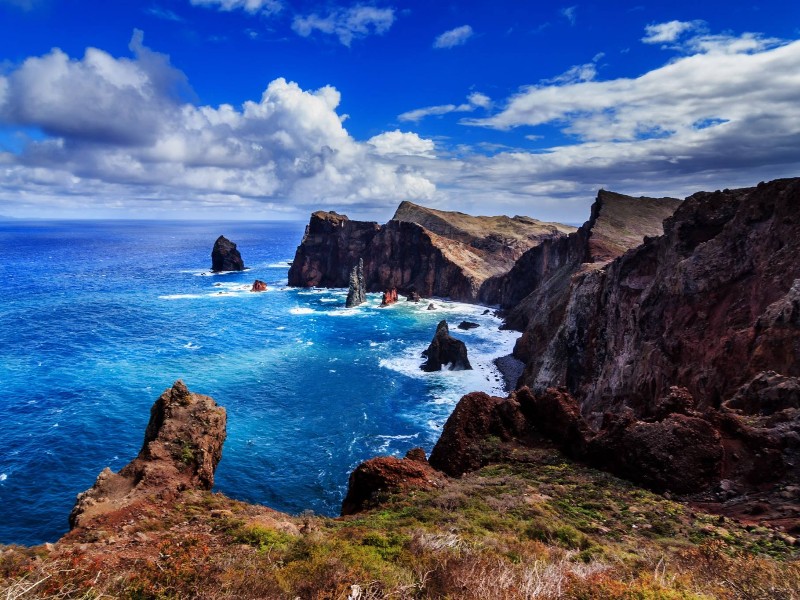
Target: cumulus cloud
pixel 453 37
pixel 346 24
pixel 662 33
pixel 398 143
pixel 474 100
pixel 267 7
pixel 117 124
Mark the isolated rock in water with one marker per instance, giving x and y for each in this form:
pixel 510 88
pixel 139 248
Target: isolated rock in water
pixel 431 306
pixel 413 297
pixel 379 477
pixel 357 293
pixel 259 286
pixel 445 350
pixel 225 256
pixel 181 450
pixel 467 325
pixel 389 297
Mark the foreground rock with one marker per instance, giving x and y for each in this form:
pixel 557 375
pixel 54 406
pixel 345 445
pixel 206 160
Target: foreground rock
pixel 259 286
pixel 356 292
pixel 374 480
pixel 225 256
pixel 445 350
pixel 434 253
pixel 676 364
pixel 181 450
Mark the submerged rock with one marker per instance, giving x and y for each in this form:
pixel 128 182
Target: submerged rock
pixel 181 450
pixel 357 292
pixel 225 256
pixel 259 286
pixel 445 350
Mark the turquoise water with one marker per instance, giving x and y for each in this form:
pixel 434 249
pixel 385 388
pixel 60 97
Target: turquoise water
pixel 98 318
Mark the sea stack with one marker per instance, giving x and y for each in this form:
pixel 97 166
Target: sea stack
pixel 445 350
pixel 225 256
pixel 258 286
pixel 389 297
pixel 356 294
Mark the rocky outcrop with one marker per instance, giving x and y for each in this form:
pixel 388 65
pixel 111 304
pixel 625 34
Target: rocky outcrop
pixel 225 256
pixel 445 351
pixel 389 297
pixel 466 325
pixel 380 477
pixel 259 286
pixel 677 363
pixel 356 292
pixel 434 253
pixel 181 450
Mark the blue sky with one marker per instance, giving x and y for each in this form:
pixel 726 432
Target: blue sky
pixel 253 109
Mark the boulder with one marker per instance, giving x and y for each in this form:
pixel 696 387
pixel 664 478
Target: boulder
pixel 413 297
pixel 181 450
pixel 225 256
pixel 465 325
pixel 259 286
pixel 356 293
pixel 389 297
pixel 379 477
pixel 445 350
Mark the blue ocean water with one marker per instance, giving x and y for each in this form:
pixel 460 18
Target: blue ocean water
pixel 98 318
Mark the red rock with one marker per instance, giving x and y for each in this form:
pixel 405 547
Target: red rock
pixel 259 286
pixel 181 450
pixel 379 477
pixel 389 297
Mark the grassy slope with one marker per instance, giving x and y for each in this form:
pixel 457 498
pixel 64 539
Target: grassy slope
pixel 535 526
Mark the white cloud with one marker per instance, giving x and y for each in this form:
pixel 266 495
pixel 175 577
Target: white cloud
pixel 398 143
pixel 662 33
pixel 454 37
pixel 267 7
pixel 117 127
pixel 163 13
pixel 346 24
pixel 474 100
pixel 569 14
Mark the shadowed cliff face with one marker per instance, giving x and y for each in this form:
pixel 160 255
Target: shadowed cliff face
pixel 434 253
pixel 181 450
pixel 678 362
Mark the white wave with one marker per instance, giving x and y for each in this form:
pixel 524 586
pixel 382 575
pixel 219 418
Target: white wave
pixel 329 300
pixel 280 265
pixel 192 346
pixel 301 310
pixel 3 476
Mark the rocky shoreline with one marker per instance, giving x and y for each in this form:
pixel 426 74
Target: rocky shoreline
pixel 667 355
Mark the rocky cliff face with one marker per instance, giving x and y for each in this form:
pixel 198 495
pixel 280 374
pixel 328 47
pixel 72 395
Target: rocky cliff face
pixel 675 364
pixel 432 253
pixel 181 450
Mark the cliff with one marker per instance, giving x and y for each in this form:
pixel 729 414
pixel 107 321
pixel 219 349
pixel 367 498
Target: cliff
pixel 434 253
pixel 680 358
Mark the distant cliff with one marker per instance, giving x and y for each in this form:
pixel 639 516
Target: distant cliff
pixel 435 253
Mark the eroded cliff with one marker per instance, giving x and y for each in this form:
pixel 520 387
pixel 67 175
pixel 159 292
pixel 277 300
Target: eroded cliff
pixel 434 253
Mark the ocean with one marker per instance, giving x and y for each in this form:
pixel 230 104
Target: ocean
pixel 98 318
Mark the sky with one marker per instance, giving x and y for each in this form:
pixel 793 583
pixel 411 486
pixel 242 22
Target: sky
pixel 271 109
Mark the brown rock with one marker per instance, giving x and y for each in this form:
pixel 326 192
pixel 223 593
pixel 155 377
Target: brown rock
pixel 379 477
pixel 259 286
pixel 181 450
pixel 461 447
